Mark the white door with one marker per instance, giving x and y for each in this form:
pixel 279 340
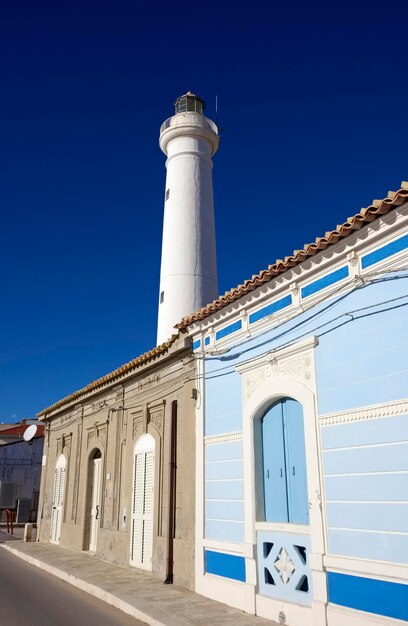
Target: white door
pixel 141 548
pixel 58 499
pixel 95 504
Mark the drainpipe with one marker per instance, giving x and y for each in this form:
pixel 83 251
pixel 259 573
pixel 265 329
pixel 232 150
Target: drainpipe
pixel 172 494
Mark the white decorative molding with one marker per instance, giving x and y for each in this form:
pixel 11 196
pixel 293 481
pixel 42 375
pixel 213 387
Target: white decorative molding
pixel 223 438
pixel 295 361
pixel 387 409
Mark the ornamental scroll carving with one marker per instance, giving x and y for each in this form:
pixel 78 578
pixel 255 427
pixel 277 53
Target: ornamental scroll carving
pixel 137 424
pixel 96 431
pixel 298 366
pixel 156 418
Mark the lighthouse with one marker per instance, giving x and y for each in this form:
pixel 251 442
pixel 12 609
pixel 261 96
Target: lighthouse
pixel 188 275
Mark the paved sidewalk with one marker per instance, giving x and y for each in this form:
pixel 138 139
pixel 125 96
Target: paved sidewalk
pixel 137 594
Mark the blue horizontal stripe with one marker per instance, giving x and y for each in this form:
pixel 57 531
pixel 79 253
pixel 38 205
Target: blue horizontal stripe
pixel 325 281
pixel 366 594
pixel 206 341
pixel 271 308
pixel 226 565
pixel 196 344
pixel 227 330
pixel 385 252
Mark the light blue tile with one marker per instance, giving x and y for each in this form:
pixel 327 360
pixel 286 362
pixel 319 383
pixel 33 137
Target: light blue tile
pixel 392 487
pixel 369 545
pixel 368 516
pixel 224 510
pixel 348 347
pixel 223 451
pixel 394 360
pixel 224 424
pixel 348 373
pixel 384 458
pixel 217 407
pixel 224 531
pixel 398 385
pixel 384 430
pixel 196 344
pixel 221 489
pixel 223 470
pixel 353 396
pixel 395 333
pixel 223 404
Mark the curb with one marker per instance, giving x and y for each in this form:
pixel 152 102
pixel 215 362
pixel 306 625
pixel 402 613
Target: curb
pixel 93 590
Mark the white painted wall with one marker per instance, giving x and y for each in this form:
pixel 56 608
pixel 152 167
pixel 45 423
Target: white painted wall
pixel 188 277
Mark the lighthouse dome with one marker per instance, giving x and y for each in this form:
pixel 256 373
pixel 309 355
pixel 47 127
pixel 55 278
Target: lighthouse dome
pixel 189 102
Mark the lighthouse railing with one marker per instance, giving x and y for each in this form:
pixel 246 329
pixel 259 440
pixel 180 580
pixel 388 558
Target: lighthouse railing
pixel 173 121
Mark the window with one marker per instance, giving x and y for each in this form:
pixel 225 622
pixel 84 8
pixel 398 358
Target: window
pixel 284 463
pixel 161 297
pixel 167 194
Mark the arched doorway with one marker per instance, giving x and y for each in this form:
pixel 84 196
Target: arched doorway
pixel 58 499
pixel 141 539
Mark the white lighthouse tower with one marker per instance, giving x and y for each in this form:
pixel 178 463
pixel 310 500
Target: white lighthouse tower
pixel 188 277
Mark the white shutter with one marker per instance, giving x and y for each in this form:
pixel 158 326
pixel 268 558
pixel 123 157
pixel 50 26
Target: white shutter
pixel 54 515
pixel 147 542
pixel 57 500
pixel 137 512
pixel 142 510
pixel 95 504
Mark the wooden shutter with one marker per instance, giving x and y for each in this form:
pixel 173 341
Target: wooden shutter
pixel 296 471
pixel 284 463
pixel 274 466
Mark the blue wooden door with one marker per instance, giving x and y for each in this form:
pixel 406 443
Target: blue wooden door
pixel 296 472
pixel 274 468
pixel 284 463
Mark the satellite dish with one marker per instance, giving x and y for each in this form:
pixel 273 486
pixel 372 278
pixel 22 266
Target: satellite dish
pixel 29 432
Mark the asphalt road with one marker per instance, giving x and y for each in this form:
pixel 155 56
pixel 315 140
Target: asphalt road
pixel 31 597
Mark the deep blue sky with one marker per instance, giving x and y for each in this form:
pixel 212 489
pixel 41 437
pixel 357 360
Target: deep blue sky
pixel 314 115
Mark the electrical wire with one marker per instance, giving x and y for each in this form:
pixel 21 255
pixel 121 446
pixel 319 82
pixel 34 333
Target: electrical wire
pixel 365 281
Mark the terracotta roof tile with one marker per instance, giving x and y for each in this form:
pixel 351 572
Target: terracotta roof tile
pixel 365 216
pixel 117 373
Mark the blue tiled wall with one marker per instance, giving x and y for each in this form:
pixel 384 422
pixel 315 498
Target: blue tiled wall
pixel 366 482
pixel 360 360
pixel 223 403
pixel 363 361
pixel 224 491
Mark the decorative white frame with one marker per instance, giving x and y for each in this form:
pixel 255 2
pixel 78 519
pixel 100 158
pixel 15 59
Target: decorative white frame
pixel 289 372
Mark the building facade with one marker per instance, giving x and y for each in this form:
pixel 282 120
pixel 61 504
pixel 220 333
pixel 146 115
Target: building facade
pixel 302 431
pixel 20 471
pixel 118 456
